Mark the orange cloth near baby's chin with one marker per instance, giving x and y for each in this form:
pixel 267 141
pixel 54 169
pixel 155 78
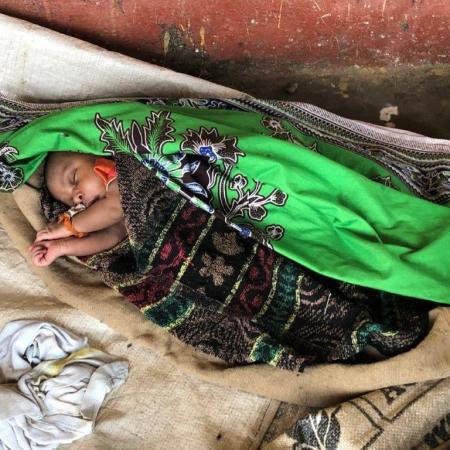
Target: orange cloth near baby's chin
pixel 106 170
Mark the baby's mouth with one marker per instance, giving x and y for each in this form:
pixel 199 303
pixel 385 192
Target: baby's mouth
pixel 92 201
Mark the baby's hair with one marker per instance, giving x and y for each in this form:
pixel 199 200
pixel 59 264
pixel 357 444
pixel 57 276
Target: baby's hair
pixel 50 163
pixel 50 206
pixel 49 160
pixel 46 164
pixel 52 156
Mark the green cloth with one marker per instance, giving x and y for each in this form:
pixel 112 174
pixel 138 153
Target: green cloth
pixel 267 179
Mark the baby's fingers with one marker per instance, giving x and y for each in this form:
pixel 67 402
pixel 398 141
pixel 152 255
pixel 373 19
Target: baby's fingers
pixel 42 260
pixel 34 245
pixel 37 251
pixel 41 236
pixel 39 257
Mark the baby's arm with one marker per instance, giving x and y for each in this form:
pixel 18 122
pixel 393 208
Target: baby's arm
pixel 43 253
pixel 101 214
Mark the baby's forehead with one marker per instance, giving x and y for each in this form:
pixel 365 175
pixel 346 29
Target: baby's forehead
pixel 54 177
pixel 60 157
pixel 57 161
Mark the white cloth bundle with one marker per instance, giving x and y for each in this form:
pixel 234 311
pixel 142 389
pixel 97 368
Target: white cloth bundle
pixel 61 384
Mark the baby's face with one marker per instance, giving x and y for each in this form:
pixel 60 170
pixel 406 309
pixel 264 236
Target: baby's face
pixel 71 179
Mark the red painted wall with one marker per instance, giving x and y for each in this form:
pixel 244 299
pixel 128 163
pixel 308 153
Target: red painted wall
pixel 313 32
pixel 352 57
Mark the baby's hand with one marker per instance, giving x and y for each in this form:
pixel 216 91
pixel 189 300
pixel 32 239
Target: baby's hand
pixel 52 231
pixel 45 252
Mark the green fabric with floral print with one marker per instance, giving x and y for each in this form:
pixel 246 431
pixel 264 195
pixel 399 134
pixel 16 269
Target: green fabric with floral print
pixel 268 180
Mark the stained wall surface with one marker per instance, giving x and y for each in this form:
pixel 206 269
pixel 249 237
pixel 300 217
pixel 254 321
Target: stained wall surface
pixel 354 57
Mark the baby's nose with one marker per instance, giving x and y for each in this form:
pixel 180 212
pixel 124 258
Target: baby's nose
pixel 77 197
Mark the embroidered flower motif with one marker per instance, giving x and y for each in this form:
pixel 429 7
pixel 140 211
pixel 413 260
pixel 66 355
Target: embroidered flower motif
pixel 210 144
pixel 269 233
pixel 215 268
pixel 10 177
pixel 113 135
pixel 238 183
pixel 152 101
pixel 8 153
pixel 256 212
pixel 154 135
pixel 226 243
pixel 277 129
pixel 169 165
pixel 245 232
pixel 274 232
pixel 141 139
pixel 278 197
pixel 387 181
pixel 148 141
pixel 251 200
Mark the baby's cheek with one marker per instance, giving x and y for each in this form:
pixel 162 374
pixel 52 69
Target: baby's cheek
pixel 96 186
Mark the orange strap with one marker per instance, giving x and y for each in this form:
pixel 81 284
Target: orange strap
pixel 106 169
pixel 66 220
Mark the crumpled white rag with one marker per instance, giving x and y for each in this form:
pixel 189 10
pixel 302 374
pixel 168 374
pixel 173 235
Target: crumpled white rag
pixel 61 385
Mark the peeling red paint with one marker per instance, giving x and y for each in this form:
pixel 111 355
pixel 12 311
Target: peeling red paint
pixel 325 32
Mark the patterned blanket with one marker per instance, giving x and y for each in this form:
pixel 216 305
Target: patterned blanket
pixel 231 297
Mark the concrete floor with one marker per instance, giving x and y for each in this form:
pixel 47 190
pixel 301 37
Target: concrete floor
pixel 421 93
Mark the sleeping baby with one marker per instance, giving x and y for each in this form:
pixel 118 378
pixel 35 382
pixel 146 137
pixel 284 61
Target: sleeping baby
pixel 94 222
